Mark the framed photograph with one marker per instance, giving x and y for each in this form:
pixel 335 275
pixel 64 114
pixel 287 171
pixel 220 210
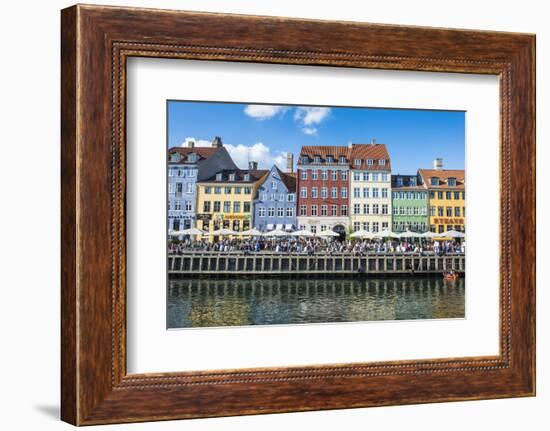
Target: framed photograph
pixel 317 215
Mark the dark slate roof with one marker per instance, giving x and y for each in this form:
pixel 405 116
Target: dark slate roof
pixel 255 175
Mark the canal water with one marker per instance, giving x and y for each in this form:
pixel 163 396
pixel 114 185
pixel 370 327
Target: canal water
pixel 215 302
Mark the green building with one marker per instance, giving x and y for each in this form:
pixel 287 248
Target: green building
pixel 409 204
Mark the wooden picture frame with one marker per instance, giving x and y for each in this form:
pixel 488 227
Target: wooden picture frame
pixel 95 42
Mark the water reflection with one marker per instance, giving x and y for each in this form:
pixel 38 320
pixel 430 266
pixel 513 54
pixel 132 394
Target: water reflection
pixel 196 302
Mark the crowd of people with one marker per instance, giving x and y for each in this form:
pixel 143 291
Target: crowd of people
pixel 311 246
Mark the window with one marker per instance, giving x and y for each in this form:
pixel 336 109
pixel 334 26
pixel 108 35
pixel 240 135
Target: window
pixel 227 190
pixel 384 177
pixel 375 226
pixel 434 181
pixel 384 193
pixel 236 207
pixel 432 195
pixel 261 212
pixel 314 174
pixel 217 190
pixel 231 177
pixel 440 228
pixel 272 197
pixel 330 159
pixel 366 226
pixel 382 162
pixel 238 190
pixel 365 192
pixel 263 197
pixel 385 225
pixel 303 192
pixel 344 192
pixel 334 175
pixel 219 176
pixel 226 206
pixel 356 192
pixel 412 181
pixel 375 192
pixel 344 175
pixel 280 212
pixel 415 210
pixel 217 206
pixel 374 176
pixel 375 208
pixel 290 197
pixel 274 185
pixel 440 211
pixel 449 211
pixel 395 211
pixel 188 206
pixel 313 229
pixel 247 190
pixel 313 210
pixel 342 160
pixel 463 195
pixel 290 212
pixel 448 195
pixel 303 174
pixel 324 210
pixel 303 210
pixel 439 195
pixel 192 173
pixel 246 207
pixel 333 210
pixel 366 209
pixel 452 182
pixel 356 209
pixel 324 193
pixel 365 176
pixel 305 160
pixel 317 159
pixel 171 188
pixel 344 210
pixel 384 209
pixel 281 197
pixel 177 205
pixel 206 207
pixel 457 211
pixel 314 192
pixel 370 162
pixel 334 192
pixel 357 162
pixel 356 176
pixel 457 195
pixel 208 190
pixel 356 226
pixel 399 181
pixel 323 227
pixel 271 212
pixel 402 210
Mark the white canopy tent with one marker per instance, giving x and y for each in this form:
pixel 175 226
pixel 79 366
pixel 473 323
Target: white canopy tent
pixel 328 234
pixel 303 232
pixel 250 232
pixel 451 234
pixel 363 234
pixel 385 233
pixel 223 232
pixel 276 233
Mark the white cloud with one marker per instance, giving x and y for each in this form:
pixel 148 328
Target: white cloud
pixel 241 154
pixel 309 116
pixel 263 112
pixel 309 130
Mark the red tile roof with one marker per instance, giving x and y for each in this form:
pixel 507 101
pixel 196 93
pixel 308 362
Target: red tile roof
pixel 443 175
pixel 362 152
pixel 289 180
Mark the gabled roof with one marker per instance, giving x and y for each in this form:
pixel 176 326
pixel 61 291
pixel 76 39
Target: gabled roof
pixel 288 179
pixel 202 152
pixel 443 175
pixel 362 152
pixel 407 183
pixel 255 175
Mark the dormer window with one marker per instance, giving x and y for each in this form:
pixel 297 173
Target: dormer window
pixel 342 160
pixel 413 182
pixel 330 159
pixel 382 162
pixel 452 182
pixel 231 177
pixel 219 176
pixel 192 158
pixel 175 157
pixel 305 160
pixel 434 181
pixel 317 159
pixel 357 162
pixel 247 177
pixel 370 162
pixel 400 181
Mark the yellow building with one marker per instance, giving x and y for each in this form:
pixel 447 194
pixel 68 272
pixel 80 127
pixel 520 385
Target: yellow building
pixel 446 197
pixel 224 201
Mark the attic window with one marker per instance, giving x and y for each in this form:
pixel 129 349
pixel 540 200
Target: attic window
pixel 357 162
pixel 413 182
pixel 452 182
pixel 342 160
pixel 434 181
pixel 382 162
pixel 305 160
pixel 192 157
pixel 317 159
pixel 247 177
pixel 330 159
pixel 219 176
pixel 400 181
pixel 231 177
pixel 175 157
pixel 370 162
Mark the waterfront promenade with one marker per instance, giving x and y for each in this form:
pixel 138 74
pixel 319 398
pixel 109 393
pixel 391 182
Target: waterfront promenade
pixel 197 263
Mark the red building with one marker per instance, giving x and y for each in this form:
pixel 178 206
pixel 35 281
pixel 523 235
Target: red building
pixel 322 187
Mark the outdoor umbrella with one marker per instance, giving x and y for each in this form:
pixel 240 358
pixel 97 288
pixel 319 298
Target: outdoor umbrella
pixel 428 234
pixel 276 232
pixel 384 233
pixel 250 232
pixel 191 231
pixel 409 234
pixel 328 233
pixel 361 234
pixel 223 232
pixel 451 234
pixel 302 233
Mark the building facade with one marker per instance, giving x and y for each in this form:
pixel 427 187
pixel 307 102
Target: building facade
pixel 446 197
pixel 409 204
pixel 186 166
pixel 225 199
pixel 370 186
pixel 275 204
pixel 322 186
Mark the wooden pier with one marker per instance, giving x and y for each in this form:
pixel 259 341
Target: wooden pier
pixel 266 264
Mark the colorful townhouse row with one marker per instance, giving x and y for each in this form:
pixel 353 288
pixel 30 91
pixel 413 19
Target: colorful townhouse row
pixel 339 188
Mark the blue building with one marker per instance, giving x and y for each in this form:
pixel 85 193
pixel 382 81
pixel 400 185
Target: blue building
pixel 186 166
pixel 275 203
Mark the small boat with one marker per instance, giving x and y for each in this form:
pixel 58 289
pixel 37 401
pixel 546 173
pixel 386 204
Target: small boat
pixel 450 276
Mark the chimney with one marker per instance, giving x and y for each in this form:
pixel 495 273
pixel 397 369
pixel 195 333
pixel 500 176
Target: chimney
pixel 438 164
pixel 373 141
pixel 289 162
pixel 191 144
pixel 217 142
pixel 252 166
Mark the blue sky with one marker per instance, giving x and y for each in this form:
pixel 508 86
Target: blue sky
pixel 265 133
